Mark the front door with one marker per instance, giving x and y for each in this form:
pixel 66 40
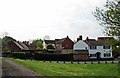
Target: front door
pixel 98 54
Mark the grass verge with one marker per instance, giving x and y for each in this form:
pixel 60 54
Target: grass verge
pixel 68 69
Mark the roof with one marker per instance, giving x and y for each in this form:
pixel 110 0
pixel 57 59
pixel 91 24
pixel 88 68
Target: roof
pixel 99 42
pixel 21 45
pixel 24 46
pixel 49 41
pixel 55 41
pixel 60 40
pixel 105 38
pixel 94 43
pixel 18 45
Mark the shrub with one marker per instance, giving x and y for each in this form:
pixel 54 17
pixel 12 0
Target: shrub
pixel 20 55
pixel 50 47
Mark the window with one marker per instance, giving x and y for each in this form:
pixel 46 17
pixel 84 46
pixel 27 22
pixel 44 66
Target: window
pixel 106 47
pixel 92 55
pixel 107 54
pixel 93 47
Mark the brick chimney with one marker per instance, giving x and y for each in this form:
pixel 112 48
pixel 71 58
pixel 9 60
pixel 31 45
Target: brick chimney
pixel 79 38
pixel 87 38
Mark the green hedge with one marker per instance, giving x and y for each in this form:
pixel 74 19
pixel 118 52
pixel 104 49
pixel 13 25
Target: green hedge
pixel 21 55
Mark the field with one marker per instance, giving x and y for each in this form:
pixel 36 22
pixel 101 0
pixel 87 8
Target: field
pixel 68 69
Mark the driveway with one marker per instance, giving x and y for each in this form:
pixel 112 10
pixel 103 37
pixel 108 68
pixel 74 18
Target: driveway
pixel 12 69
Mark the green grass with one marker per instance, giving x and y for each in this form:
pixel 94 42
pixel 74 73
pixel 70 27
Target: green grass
pixel 68 69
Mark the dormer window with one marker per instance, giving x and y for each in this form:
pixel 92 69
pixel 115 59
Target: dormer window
pixel 106 47
pixel 93 47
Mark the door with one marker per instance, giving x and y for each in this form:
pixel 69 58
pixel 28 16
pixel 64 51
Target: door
pixel 98 55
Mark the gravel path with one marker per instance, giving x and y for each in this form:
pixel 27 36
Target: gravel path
pixel 10 68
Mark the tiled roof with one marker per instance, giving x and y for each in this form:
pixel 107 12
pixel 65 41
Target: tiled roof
pixel 24 46
pixel 101 41
pixel 94 43
pixel 21 45
pixel 61 40
pixel 49 41
pixel 55 41
pixel 18 45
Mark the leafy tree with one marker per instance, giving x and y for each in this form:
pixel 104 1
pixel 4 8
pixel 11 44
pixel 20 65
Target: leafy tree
pixel 38 43
pixel 5 41
pixel 109 17
pixel 50 48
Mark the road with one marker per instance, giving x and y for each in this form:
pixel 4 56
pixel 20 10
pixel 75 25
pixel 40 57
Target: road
pixel 11 69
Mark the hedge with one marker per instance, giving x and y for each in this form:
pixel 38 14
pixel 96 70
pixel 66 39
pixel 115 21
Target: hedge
pixel 20 55
pixel 53 57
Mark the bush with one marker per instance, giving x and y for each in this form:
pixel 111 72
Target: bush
pixel 6 54
pixel 53 57
pixel 20 55
pixel 50 47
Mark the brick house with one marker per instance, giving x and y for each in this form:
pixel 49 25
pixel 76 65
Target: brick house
pixel 17 46
pixel 30 45
pixel 60 44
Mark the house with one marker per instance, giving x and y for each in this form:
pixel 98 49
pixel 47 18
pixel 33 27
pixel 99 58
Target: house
pixel 30 45
pixel 60 44
pixel 80 50
pixel 48 42
pixel 96 48
pixel 17 46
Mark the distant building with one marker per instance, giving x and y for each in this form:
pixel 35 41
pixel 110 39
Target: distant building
pixel 96 48
pixel 19 46
pixel 59 44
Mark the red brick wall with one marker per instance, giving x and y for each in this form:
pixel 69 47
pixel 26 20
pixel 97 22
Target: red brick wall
pixel 68 44
pixel 81 57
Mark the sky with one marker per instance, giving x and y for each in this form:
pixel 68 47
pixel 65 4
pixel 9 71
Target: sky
pixel 33 19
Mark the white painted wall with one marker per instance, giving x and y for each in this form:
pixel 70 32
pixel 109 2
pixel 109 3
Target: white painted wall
pixel 44 45
pixel 101 50
pixel 80 45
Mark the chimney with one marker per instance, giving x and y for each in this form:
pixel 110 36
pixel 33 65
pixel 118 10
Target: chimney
pixel 67 36
pixel 87 38
pixel 79 38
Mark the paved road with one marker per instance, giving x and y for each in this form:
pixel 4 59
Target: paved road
pixel 12 69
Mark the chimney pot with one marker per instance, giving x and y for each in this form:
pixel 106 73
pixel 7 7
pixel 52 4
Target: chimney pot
pixel 87 38
pixel 80 37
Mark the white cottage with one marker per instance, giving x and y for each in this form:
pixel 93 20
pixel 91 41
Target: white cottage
pixel 96 48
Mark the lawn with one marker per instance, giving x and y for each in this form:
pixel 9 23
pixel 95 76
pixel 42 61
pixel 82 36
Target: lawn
pixel 68 69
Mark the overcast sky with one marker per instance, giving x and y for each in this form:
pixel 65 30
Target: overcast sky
pixel 31 19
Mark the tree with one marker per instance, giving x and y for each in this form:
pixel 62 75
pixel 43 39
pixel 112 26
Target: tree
pixel 109 17
pixel 5 42
pixel 38 43
pixel 50 48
